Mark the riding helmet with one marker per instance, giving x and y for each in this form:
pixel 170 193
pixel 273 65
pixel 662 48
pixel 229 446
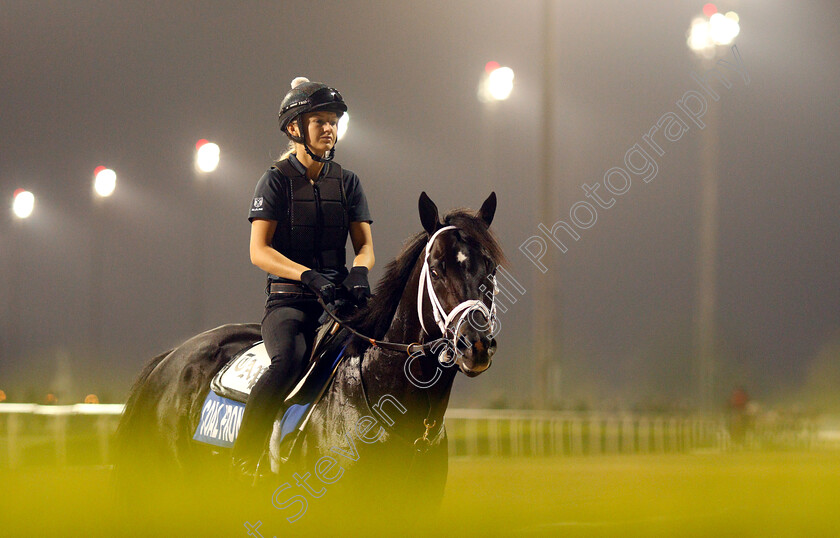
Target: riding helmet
pixel 306 96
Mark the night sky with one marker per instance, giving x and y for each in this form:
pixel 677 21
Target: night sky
pixel 91 289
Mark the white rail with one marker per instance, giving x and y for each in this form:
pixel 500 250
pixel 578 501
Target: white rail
pixel 44 429
pixel 546 433
pixel 81 434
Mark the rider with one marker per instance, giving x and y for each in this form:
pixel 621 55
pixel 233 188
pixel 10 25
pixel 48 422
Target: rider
pixel 303 208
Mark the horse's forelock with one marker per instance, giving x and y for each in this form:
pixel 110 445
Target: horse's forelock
pixel 476 230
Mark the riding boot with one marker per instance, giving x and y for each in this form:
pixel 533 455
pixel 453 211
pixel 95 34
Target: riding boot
pixel 287 331
pixel 264 403
pixel 251 470
pixel 245 458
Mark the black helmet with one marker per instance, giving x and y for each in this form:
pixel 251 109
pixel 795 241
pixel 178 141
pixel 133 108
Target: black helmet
pixel 304 97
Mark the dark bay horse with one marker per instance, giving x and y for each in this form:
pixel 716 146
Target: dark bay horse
pixel 377 436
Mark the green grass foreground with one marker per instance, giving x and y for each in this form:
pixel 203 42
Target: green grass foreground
pixel 730 494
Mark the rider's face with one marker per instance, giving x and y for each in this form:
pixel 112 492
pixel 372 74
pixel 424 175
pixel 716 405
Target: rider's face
pixel 321 130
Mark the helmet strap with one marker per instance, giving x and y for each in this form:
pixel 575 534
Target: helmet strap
pixel 328 158
pixel 297 138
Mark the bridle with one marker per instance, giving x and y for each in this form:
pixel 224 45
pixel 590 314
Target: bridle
pixel 444 321
pixel 460 313
pixel 449 336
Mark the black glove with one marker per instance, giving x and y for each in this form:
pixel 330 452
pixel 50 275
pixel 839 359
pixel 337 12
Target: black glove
pixel 318 283
pixel 357 284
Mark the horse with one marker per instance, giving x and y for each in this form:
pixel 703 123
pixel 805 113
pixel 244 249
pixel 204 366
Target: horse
pixel 378 428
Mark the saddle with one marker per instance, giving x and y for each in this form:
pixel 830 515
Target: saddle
pixel 221 413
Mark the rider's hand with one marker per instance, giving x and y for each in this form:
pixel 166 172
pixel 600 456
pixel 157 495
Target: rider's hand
pixel 318 283
pixel 357 284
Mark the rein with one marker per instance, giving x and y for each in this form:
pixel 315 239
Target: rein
pixel 422 443
pixel 408 349
pixel 459 314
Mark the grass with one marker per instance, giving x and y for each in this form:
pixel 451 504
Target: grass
pixel 731 494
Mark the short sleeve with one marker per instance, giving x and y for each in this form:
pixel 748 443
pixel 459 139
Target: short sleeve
pixel 268 202
pixel 357 205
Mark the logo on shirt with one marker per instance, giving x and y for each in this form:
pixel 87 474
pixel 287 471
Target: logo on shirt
pixel 258 204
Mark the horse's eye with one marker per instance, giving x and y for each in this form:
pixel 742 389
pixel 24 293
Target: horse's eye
pixel 434 272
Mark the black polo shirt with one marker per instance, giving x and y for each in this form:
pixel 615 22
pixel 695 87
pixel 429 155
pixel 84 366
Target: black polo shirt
pixel 271 203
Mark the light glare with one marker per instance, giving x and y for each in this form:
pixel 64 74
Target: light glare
pixel 24 204
pixel 207 157
pixel 699 37
pixel 723 29
pixel 343 121
pixel 500 83
pixel 719 29
pixel 105 182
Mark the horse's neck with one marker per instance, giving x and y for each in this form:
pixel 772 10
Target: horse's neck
pixel 405 327
pixel 388 367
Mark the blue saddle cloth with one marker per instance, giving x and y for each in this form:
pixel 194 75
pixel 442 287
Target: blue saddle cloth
pixel 221 416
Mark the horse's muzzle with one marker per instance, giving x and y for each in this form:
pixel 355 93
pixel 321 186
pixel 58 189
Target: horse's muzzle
pixel 477 358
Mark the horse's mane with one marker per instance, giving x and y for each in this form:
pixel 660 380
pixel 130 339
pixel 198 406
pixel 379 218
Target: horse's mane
pixel 376 317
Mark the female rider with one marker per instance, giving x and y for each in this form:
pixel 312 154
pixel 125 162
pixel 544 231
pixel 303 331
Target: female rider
pixel 303 208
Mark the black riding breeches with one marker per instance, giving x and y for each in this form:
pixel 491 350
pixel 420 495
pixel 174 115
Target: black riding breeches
pixel 288 329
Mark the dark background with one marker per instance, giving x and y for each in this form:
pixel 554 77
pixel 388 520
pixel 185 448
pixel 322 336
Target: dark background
pixel 91 289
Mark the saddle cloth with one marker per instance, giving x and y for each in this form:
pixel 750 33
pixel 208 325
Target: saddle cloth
pixel 221 413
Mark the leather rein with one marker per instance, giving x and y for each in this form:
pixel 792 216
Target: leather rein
pixel 458 315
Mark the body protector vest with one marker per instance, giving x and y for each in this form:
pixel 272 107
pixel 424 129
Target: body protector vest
pixel 315 233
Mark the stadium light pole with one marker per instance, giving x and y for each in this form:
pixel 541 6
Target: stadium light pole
pixel 104 185
pixel 23 206
pixel 495 84
pixel 546 323
pixel 708 37
pixel 207 158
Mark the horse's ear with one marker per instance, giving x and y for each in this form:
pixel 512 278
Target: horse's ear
pixel 428 214
pixel 488 209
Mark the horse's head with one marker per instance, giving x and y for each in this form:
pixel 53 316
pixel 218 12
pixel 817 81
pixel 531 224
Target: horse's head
pixel 457 283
